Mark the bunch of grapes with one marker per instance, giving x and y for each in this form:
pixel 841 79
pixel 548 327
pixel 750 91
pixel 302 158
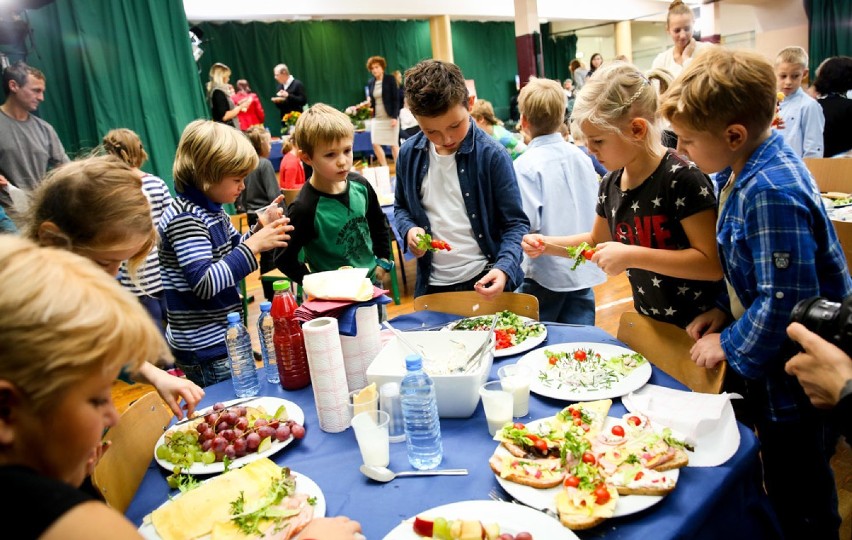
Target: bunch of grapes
pixel 227 433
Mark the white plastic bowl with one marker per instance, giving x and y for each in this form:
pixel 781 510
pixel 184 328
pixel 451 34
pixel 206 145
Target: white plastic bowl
pixel 457 393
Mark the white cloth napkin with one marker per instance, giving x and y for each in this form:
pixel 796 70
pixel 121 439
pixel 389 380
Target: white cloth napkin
pixel 705 421
pixel 347 284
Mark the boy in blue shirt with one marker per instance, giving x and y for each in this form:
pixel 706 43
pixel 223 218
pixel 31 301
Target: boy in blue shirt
pixel 452 169
pixel 802 115
pixel 777 247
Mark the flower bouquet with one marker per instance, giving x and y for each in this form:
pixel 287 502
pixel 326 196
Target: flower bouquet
pixel 359 113
pixel 289 122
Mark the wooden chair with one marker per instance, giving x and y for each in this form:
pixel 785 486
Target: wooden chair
pixel 844 234
pixel 290 195
pixel 831 174
pixel 471 303
pixel 667 347
pixel 121 469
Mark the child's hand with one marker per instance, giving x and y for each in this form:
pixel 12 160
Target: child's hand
pixel 491 284
pixel 533 245
pixel 708 322
pixel 274 235
pixel 270 212
pixel 412 241
pixel 336 528
pixel 613 257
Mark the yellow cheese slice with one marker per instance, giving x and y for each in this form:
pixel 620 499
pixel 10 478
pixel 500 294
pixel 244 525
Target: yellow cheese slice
pixel 366 400
pixel 195 512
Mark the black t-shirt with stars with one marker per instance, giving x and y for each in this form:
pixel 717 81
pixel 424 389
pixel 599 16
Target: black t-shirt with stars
pixel 650 216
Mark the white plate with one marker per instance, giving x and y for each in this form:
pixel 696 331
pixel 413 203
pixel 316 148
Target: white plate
pixel 512 518
pixel 303 485
pixel 538 362
pixel 270 404
pixel 524 346
pixel 546 498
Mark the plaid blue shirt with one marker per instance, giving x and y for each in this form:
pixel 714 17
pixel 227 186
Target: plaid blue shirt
pixel 777 246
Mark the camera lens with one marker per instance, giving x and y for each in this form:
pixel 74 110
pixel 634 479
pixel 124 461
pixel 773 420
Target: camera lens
pixel 830 320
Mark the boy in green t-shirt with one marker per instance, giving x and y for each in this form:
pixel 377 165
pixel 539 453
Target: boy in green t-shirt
pixel 337 217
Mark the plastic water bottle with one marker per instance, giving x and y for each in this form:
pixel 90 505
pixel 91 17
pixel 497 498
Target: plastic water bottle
pixel 241 358
pixel 265 329
pixel 289 342
pixel 420 415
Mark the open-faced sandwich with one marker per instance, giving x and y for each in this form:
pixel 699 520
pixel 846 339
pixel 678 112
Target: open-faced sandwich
pixel 586 499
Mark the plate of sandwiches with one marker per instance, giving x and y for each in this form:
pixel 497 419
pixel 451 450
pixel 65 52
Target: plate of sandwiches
pixel 254 501
pixel 836 199
pixel 613 466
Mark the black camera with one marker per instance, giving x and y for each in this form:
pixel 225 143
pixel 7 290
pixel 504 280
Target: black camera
pixel 830 320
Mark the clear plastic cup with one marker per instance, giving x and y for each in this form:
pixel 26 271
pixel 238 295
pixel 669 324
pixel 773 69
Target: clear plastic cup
pixel 269 213
pixel 497 404
pixel 371 432
pixel 516 380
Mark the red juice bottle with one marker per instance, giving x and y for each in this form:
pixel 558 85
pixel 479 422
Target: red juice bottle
pixel 289 342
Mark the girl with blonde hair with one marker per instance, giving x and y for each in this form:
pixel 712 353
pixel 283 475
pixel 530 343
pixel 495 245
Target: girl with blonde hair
pixel 95 207
pixel 483 114
pixel 656 213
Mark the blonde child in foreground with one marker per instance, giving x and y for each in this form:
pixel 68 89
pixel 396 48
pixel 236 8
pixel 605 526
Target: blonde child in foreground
pixel 337 217
pixel 801 114
pixel 777 247
pixel 655 211
pixel 202 256
pixel 120 234
pixel 57 366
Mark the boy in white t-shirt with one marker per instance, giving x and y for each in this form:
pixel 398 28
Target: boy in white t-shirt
pixel 449 171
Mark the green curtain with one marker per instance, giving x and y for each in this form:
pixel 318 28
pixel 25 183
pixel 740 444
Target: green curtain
pixel 329 57
pixel 485 52
pixel 117 63
pixel 829 31
pixel 558 53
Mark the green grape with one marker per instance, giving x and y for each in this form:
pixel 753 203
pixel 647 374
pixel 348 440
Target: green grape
pixel 208 457
pixel 441 529
pixel 163 452
pixel 172 481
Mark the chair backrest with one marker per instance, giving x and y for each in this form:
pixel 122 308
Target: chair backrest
pixel 844 234
pixel 121 469
pixel 471 303
pixel 667 347
pixel 831 174
pixel 240 222
pixel 290 195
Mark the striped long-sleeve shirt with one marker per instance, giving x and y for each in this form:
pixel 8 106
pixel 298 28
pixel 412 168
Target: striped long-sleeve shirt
pixel 148 281
pixel 202 258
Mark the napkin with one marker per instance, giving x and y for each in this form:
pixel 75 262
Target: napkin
pixel 360 350
pixel 328 373
pixel 343 310
pixel 347 284
pixel 705 421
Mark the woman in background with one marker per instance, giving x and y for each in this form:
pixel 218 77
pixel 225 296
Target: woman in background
pixel 483 114
pixel 253 114
pixel 594 64
pixel 384 99
pixel 222 106
pixel 578 73
pixel 680 25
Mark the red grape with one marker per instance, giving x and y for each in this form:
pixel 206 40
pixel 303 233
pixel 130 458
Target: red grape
pixel 261 422
pixel 241 411
pixel 230 451
pixel 282 433
pixel 298 431
pixel 205 445
pixel 211 418
pixel 265 431
pixel 218 406
pixel 241 423
pixel 228 435
pixel 240 445
pixel 207 435
pixel 222 426
pixel 523 536
pixel 252 441
pixel 219 444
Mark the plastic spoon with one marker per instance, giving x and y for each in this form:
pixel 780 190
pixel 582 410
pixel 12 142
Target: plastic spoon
pixel 383 474
pixel 414 348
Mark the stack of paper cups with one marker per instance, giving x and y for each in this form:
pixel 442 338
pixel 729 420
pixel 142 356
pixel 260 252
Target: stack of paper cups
pixel 360 350
pixel 328 374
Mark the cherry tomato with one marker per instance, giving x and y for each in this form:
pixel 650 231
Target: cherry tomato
pixel 552 360
pixel 635 420
pixel 580 356
pixel 541 445
pixel 589 458
pixel 575 413
pixel 618 431
pixel 435 244
pixel 578 422
pixel 519 425
pixel 533 437
pixel 602 495
pixel 587 253
pixel 571 481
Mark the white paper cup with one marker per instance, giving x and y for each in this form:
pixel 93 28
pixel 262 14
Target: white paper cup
pixel 497 404
pixel 516 380
pixel 371 432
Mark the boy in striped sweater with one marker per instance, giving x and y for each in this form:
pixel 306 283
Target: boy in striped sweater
pixel 202 256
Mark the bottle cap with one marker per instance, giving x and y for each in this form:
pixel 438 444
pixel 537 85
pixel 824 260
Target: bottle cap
pixel 413 362
pixel 234 317
pixel 265 306
pixel 281 285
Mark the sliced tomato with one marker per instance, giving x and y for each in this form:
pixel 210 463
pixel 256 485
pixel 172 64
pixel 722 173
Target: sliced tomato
pixel 589 458
pixel 580 356
pixel 639 475
pixel 618 431
pixel 602 495
pixel 571 481
pixel 635 420
pixel 576 413
pixel 519 425
pixel 541 445
pixel 553 360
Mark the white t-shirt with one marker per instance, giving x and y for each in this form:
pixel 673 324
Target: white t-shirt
pixel 666 59
pixel 442 199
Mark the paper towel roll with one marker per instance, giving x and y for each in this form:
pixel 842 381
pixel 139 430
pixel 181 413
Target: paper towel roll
pixel 328 374
pixel 360 350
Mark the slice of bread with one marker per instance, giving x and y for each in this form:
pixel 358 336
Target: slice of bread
pixel 551 472
pixel 579 523
pixel 678 461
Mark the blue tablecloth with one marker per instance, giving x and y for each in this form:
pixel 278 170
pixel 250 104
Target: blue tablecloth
pixel 275 155
pixel 719 502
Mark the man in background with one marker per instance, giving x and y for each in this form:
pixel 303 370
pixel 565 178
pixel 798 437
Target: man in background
pixel 290 95
pixel 29 146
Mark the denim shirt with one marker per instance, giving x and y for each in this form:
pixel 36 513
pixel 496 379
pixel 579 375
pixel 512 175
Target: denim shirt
pixel 777 246
pixel 491 197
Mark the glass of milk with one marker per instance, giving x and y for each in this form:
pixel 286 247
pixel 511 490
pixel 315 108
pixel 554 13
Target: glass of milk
pixel 371 432
pixel 497 404
pixel 516 380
